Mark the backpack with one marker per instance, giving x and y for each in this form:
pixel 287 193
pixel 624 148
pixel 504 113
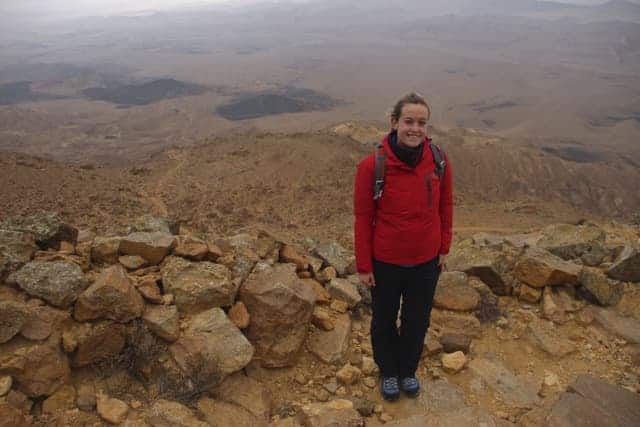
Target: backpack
pixel 380 169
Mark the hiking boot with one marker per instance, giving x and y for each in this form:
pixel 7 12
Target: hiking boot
pixel 389 388
pixel 410 385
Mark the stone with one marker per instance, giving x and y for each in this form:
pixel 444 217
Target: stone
pixel 104 250
pixel 454 293
pixel 349 375
pixel 369 366
pixel 623 327
pixel 222 414
pixel 510 389
pixel 326 275
pixel 488 264
pixel 339 306
pixel 198 286
pixel 344 290
pixel 553 341
pixel 86 398
pixel 550 385
pixel 336 413
pixel 331 346
pixel 47 228
pixel 539 268
pixel 13 316
pixel 191 248
pixel 321 319
pixel 338 257
pixel 41 321
pixel 152 246
pixel 597 285
pixel 163 320
pixel 111 296
pixel 455 342
pixel 432 345
pixel 458 323
pixel 322 295
pixel 291 255
pixel 571 241
pixel 60 401
pixel 454 362
pixel 59 283
pixel 211 348
pixel 12 417
pixel 166 413
pixel 626 267
pixel 280 307
pixel 529 294
pixel 110 409
pixel 95 342
pixel 550 309
pixel 213 252
pixel 239 315
pixel 5 385
pixel 149 290
pixel 16 249
pixel 246 393
pixel 370 382
pixel 488 310
pixel 132 262
pixel 152 224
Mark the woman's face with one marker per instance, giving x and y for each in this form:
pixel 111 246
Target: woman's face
pixel 411 125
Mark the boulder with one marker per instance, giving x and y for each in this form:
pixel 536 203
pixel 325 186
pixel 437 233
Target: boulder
pixel 331 346
pixel 247 393
pixel 336 413
pixel 163 320
pixel 132 262
pixel 550 339
pixel 47 228
pixel 104 250
pixel 111 410
pixel 191 248
pixel 604 291
pixel 151 224
pixel 344 290
pixel 490 265
pixel 111 296
pixel 41 321
pixel 322 295
pixel 627 266
pixel 571 241
pixel 16 249
pixel 152 246
pixel 59 283
pixel 453 292
pixel 12 319
pixel 455 342
pixel 198 286
pixel 239 315
pixel 453 322
pixel 280 307
pixel 94 342
pixel 223 414
pixel 337 257
pixel 528 294
pixel 322 319
pixel 210 348
pixel 289 254
pixel 509 388
pixel 539 268
pixel 166 413
pixel 60 401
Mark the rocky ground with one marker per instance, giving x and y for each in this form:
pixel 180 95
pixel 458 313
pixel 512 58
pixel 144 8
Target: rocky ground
pixel 161 326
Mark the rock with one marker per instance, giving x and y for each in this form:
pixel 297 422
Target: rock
pixel 339 306
pixel 322 295
pixel 222 414
pixel 337 257
pixel 191 248
pixel 343 290
pixel 86 399
pixel 370 382
pixel 321 319
pixel 152 246
pixel 198 286
pixel 369 366
pixel 363 406
pixel 47 228
pixel 489 265
pixel 5 385
pixel 454 293
pixel 95 342
pixel 455 342
pixel 60 401
pixel 592 402
pixel 12 318
pixel 596 283
pixel 571 241
pixel 280 307
pixel 38 369
pixel 432 345
pixel 550 339
pixel 289 254
pixel 210 348
pixel 16 249
pixel 457 323
pixel 213 252
pixel 163 320
pixel 148 288
pixel 243 263
pixel 539 268
pixel 239 315
pixel 551 310
pixel 624 327
pixel 488 310
pixel 104 250
pixel 59 283
pixel 132 262
pixel 348 374
pixel 337 413
pixel 41 321
pixel 454 362
pixel 151 224
pixel 326 275
pixel 550 385
pixel 247 393
pixel 111 296
pixel 165 413
pixel 626 267
pixel 11 417
pixel 110 409
pixel 509 388
pixel 529 294
pixel 331 346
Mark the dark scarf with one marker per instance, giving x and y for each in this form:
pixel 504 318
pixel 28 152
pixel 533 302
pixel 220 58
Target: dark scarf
pixel 409 156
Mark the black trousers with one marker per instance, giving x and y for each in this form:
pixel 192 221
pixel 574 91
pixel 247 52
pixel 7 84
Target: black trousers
pixel 396 350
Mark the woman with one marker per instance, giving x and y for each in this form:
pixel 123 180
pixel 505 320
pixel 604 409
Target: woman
pixel 403 219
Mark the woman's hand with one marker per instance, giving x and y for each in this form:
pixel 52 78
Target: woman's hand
pixel 442 262
pixel 367 279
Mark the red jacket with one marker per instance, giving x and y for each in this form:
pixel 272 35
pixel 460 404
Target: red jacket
pixel 403 226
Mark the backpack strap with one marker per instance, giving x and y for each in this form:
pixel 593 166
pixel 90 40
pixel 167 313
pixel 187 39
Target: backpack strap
pixel 380 169
pixel 438 159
